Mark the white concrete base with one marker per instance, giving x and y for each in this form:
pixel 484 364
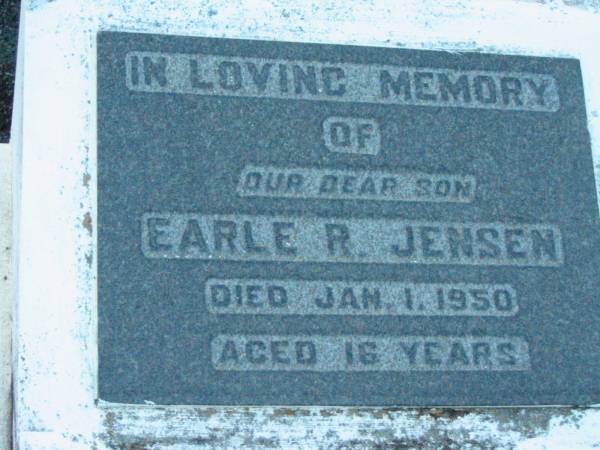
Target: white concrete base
pixel 5 296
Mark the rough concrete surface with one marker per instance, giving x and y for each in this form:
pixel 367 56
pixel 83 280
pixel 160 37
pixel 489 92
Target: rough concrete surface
pixel 5 303
pixel 350 428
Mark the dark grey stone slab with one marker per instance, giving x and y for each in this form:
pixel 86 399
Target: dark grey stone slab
pixel 9 26
pixel 301 224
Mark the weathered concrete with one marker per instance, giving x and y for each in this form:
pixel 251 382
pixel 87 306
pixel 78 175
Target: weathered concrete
pixel 350 428
pixel 5 296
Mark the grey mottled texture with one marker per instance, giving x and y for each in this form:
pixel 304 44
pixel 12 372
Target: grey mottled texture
pixel 9 24
pixel 163 153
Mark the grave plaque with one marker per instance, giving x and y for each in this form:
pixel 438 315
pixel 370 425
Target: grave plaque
pixel 306 224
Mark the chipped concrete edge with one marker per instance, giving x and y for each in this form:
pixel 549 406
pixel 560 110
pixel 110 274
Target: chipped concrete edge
pixel 56 406
pixel 341 428
pixel 9 202
pixel 5 296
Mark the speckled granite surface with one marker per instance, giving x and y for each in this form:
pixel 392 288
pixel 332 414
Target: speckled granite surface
pixel 8 46
pixel 251 251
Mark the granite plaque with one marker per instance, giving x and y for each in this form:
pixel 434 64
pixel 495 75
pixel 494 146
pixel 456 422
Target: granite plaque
pixel 306 224
pixel 9 25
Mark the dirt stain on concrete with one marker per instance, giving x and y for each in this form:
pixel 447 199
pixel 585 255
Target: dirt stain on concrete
pixel 87 222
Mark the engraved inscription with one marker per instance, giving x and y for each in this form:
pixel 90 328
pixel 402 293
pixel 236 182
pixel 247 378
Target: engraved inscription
pixel 286 297
pixel 311 239
pixel 352 135
pixel 342 225
pixel 339 82
pixel 369 353
pixel 257 181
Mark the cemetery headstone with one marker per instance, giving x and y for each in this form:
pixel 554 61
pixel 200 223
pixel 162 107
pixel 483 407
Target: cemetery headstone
pixel 303 224
pixel 267 224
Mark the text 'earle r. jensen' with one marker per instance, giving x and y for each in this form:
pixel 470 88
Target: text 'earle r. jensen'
pixel 304 239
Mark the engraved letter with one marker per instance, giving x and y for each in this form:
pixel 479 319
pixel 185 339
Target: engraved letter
pixel 489 95
pixel 329 73
pixel 155 70
pixel 195 80
pixel 461 85
pixel 401 83
pixel 230 75
pixel 155 233
pixel 260 78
